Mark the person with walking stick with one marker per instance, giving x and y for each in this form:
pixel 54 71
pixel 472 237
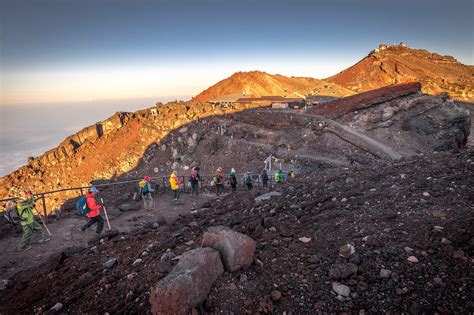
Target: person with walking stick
pixel 94 211
pixel 24 207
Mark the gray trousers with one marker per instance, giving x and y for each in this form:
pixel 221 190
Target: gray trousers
pixel 148 202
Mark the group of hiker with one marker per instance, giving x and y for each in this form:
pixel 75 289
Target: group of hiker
pixel 22 210
pixel 218 180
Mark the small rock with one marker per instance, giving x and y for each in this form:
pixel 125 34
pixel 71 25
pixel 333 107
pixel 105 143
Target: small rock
pixel 56 307
pixel 438 281
pixel 458 254
pixel 144 253
pixel 445 241
pixel 305 239
pixel 193 224
pixel 385 273
pixel 341 289
pixel 137 261
pixel 409 249
pixel 373 189
pixel 426 194
pixel 350 180
pixel 167 256
pixel 346 250
pixel 439 214
pixel 412 259
pixel 343 199
pixel 3 284
pixel 243 278
pixel 109 264
pixel 131 276
pixel 438 229
pixel 272 229
pixel 276 295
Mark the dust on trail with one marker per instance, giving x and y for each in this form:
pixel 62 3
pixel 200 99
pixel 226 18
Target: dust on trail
pixel 66 231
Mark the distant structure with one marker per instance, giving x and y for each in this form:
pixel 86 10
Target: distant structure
pixel 228 99
pixel 275 101
pixel 316 100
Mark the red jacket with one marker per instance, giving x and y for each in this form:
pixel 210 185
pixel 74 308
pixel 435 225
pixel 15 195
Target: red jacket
pixel 92 204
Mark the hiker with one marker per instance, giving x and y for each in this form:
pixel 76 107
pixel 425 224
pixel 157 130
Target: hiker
pixel 194 180
pixel 248 180
pixel 146 190
pixel 10 213
pixel 291 174
pixel 94 213
pixel 232 180
pixel 279 177
pixel 175 184
pixel 24 207
pixel 264 177
pixel 218 180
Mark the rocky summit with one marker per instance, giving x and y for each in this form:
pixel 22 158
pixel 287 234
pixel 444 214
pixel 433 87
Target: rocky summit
pixel 392 64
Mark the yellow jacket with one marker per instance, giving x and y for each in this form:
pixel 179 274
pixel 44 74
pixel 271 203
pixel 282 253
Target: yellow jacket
pixel 174 182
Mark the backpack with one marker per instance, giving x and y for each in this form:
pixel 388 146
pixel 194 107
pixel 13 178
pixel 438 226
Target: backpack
pixel 81 206
pixel 248 179
pixel 143 187
pixel 216 179
pixel 10 216
pixel 233 180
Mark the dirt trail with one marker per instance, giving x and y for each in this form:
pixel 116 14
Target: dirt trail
pixel 66 231
pixel 356 137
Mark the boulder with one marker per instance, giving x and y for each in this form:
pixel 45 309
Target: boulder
pixel 236 249
pixel 188 284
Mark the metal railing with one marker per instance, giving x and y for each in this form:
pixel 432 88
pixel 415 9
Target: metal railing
pixel 164 184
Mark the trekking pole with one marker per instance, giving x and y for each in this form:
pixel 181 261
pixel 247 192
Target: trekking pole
pixel 105 212
pixel 42 221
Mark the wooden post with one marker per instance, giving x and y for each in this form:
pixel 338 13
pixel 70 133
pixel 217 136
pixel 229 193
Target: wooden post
pixel 44 209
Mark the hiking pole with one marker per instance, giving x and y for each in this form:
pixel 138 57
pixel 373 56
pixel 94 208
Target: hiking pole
pixel 42 221
pixel 105 212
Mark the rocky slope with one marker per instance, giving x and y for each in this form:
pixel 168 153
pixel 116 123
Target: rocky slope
pixel 392 64
pixel 258 83
pixel 105 150
pixel 180 136
pixel 409 222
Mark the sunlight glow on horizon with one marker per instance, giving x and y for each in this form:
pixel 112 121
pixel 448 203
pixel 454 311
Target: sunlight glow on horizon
pixel 142 81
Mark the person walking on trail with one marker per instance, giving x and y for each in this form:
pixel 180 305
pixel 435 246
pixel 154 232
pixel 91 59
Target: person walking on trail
pixel 279 177
pixel 264 177
pixel 291 174
pixel 233 180
pixel 248 180
pixel 146 190
pixel 24 207
pixel 218 180
pixel 175 184
pixel 94 213
pixel 194 180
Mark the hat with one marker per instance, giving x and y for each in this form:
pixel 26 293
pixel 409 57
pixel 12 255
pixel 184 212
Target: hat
pixel 147 178
pixel 93 189
pixel 232 170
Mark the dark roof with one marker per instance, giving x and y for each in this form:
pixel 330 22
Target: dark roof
pixel 269 98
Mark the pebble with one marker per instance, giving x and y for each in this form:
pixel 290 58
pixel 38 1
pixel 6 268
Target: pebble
pixel 272 229
pixel 243 278
pixel 409 249
pixel 109 264
pixel 136 262
pixel 341 289
pixel 56 307
pixel 276 295
pixel 305 239
pixel 131 276
pixel 346 250
pixel 445 241
pixel 343 199
pixel 458 254
pixel 426 194
pixel 385 273
pixel 412 259
pixel 438 229
pixel 167 256
pixel 373 189
pixel 438 281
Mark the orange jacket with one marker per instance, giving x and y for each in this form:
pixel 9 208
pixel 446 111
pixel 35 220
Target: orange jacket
pixel 92 204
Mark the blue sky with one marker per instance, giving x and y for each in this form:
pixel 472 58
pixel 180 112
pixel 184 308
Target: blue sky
pixel 87 50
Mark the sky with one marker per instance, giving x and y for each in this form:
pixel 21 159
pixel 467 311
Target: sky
pixel 65 50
